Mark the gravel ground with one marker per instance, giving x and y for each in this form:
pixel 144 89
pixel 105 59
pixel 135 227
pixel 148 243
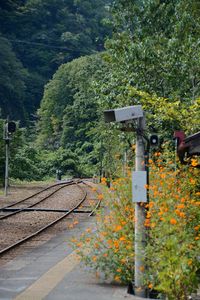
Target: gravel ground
pixel 19 226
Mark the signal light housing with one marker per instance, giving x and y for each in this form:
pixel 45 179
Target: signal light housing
pixel 11 127
pixel 154 140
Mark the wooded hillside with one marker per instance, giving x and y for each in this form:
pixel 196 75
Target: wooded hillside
pixel 36 37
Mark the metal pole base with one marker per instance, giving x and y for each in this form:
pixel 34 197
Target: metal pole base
pixel 140 292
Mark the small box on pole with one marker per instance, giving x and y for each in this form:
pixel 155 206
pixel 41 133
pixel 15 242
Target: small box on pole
pixel 139 190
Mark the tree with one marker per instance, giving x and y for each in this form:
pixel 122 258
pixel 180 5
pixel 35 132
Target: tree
pixel 69 111
pixel 156 46
pixel 46 33
pixel 12 82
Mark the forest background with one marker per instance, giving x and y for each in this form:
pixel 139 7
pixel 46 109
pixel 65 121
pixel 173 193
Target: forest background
pixel 63 62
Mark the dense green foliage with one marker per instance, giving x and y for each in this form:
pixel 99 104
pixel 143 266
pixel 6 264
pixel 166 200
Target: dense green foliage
pixel 148 61
pixel 43 34
pixel 152 59
pixel 69 111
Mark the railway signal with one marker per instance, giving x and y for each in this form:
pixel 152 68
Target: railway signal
pixel 154 140
pixel 9 129
pixel 127 116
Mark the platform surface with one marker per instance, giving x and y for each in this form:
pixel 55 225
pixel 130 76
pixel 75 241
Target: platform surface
pixel 53 272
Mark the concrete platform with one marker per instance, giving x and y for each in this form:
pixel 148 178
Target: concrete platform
pixel 53 272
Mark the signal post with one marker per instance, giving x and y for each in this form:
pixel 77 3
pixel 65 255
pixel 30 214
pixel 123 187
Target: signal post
pixel 9 128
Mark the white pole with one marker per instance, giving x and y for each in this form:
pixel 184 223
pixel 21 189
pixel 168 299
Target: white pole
pixel 6 159
pixel 140 235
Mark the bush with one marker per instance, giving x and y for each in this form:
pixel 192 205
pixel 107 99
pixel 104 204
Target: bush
pixel 173 217
pixel 172 223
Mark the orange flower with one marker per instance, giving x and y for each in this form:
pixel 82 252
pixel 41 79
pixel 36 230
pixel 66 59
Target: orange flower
pixel 157 154
pixel 116 244
pixel 151 204
pixel 197 227
pixel 119 270
pixel 105 254
pixel 94 258
pixel 100 197
pixel 182 215
pixel 96 245
pixel 160 213
pixel 103 180
pixel 173 221
pixel 192 181
pixel 189 262
pixel 148 215
pixel 141 269
pixel 122 238
pixel 150 286
pixel 194 162
pixel 118 228
pixel 147 223
pixel 117 278
pixel 181 206
pixel 162 175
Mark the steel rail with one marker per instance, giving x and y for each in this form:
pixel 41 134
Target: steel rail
pixel 92 213
pixel 3 251
pixel 4 209
pixel 36 194
pixel 45 210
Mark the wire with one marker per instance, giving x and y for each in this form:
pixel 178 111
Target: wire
pixel 45 45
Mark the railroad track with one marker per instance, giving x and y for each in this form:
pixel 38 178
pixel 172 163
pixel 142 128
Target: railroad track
pixel 29 201
pixel 12 212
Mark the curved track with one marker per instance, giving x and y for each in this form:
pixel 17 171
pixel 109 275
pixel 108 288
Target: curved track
pixel 5 212
pixel 63 213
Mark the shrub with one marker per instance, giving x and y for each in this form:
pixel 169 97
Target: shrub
pixel 173 229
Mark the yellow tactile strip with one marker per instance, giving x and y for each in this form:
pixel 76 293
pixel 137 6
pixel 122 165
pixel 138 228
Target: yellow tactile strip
pixel 46 283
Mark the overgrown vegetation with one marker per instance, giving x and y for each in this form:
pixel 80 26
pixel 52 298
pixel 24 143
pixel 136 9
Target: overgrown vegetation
pixel 172 223
pixel 152 59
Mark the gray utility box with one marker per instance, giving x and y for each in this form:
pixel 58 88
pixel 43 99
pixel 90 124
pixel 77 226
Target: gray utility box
pixel 139 190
